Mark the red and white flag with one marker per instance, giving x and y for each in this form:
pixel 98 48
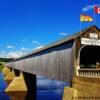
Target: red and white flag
pixel 97 9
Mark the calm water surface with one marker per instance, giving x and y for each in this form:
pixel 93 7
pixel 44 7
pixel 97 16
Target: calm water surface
pixel 46 90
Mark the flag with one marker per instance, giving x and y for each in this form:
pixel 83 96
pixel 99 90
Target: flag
pixel 97 9
pixel 85 18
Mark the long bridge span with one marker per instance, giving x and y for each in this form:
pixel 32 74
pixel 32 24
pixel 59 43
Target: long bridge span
pixel 54 61
pixel 64 59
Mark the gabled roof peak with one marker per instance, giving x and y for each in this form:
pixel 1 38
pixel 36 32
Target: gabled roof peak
pixel 85 30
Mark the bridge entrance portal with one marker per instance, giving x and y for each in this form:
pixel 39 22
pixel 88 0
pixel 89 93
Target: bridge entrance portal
pixel 90 57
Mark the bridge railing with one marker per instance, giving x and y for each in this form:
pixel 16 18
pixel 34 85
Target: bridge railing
pixel 89 72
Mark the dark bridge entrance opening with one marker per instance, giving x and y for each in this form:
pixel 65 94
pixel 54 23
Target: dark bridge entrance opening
pixel 90 57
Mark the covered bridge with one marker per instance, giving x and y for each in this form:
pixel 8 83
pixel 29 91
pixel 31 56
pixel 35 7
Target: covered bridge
pixel 63 59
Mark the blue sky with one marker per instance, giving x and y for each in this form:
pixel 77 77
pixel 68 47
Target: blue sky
pixel 29 24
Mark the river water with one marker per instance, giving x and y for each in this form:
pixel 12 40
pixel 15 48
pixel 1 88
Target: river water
pixel 46 90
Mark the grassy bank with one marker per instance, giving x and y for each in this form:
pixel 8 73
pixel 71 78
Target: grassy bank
pixel 1 67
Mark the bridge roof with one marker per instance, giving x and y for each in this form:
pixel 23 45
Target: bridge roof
pixel 54 44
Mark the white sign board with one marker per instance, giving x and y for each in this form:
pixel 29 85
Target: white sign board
pixel 88 41
pixel 93 35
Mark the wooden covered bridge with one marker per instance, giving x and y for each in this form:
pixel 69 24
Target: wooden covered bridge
pixel 62 59
pixel 78 55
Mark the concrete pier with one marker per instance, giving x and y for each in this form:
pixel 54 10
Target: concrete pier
pixel 5 71
pixel 83 88
pixel 18 84
pixel 9 77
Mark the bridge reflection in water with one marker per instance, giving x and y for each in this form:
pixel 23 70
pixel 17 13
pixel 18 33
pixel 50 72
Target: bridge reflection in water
pixel 46 89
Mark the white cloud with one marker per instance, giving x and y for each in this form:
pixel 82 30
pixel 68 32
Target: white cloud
pixel 63 34
pixel 10 46
pixel 24 49
pixel 36 42
pixel 16 54
pixel 13 54
pixel 39 47
pixel 89 7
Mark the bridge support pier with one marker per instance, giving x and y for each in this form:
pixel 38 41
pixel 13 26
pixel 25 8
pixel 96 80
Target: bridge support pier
pixel 23 82
pixel 69 93
pixel 5 71
pixel 18 83
pixel 9 77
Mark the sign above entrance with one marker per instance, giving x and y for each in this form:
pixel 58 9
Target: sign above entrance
pixel 93 35
pixel 91 41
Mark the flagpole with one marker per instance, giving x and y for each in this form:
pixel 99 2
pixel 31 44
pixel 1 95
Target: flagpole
pixel 94 16
pixel 80 27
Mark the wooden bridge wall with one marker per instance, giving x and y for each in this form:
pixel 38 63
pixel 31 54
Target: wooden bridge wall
pixel 54 63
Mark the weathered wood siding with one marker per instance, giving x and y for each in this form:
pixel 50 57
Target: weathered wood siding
pixel 54 63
